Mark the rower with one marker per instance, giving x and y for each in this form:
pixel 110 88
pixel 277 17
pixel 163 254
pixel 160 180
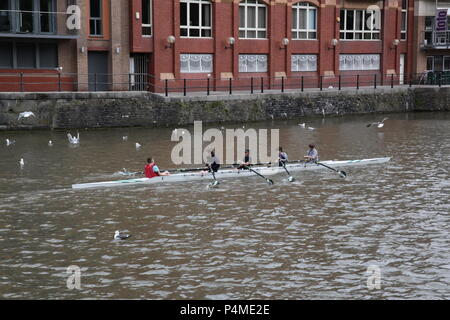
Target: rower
pixel 282 157
pixel 213 163
pixel 151 170
pixel 247 161
pixel 312 155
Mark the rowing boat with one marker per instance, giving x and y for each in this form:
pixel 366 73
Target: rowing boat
pixel 230 173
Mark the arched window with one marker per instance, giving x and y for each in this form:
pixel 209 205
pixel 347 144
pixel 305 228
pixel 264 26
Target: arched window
pixel 304 21
pixel 195 18
pixel 252 20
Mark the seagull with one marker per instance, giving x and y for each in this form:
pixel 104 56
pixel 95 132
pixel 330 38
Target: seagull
pixel 311 128
pixel 330 87
pixel 138 145
pixel 120 236
pixel 302 124
pixel 379 124
pixel 26 114
pixel 9 142
pixel 22 163
pixel 50 143
pixel 74 140
pixel 125 138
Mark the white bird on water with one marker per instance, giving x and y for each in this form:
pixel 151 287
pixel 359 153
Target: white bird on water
pixel 311 128
pixel 50 143
pixel 26 114
pixel 302 125
pixel 120 236
pixel 125 138
pixel 22 163
pixel 379 124
pixel 138 145
pixel 9 142
pixel 74 140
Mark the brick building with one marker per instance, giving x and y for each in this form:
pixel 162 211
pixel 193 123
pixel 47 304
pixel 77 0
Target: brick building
pixel 208 42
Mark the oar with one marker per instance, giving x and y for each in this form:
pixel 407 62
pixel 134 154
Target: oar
pixel 268 180
pixel 215 182
pixel 291 178
pixel 343 174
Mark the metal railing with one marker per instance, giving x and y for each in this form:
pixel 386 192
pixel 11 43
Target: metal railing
pixel 72 82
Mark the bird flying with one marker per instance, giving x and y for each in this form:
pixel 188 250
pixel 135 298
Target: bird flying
pixel 74 140
pixel 379 124
pixel 26 114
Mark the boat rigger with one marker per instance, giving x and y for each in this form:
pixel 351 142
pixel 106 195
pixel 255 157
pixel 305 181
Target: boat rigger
pixel 234 173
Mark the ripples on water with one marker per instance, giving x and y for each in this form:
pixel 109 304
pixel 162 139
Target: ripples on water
pixel 311 239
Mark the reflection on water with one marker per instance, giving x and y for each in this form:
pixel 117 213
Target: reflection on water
pixel 311 239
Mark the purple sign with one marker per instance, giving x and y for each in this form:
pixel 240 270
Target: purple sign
pixel 441 20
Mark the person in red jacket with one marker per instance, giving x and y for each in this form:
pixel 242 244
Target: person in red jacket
pixel 151 170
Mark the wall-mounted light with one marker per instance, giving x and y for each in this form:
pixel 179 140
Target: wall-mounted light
pixel 117 50
pixel 395 43
pixel 284 43
pixel 82 49
pixel 138 15
pixel 170 41
pixel 231 41
pixel 333 43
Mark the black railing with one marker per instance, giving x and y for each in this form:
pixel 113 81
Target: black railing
pixel 54 82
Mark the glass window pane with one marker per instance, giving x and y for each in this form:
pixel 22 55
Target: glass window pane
pixel 194 19
pixel 251 34
pixel 183 14
pixel 95 8
pixel 206 15
pixel 6 55
pixel 312 19
pixel 5 18
pixel 359 20
pixel 194 33
pixel 350 16
pixel 294 18
pixel 206 33
pixel 145 11
pixel 241 17
pixel 48 56
pixel 261 17
pixel 26 55
pixel 46 16
pixel 251 17
pixel 341 23
pixel 302 19
pixel 261 34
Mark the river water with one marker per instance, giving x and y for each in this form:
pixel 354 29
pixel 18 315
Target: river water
pixel 314 238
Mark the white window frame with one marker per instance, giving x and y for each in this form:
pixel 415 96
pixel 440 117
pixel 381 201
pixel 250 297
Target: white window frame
pixel 308 7
pixel 403 32
pixel 200 27
pixel 363 31
pixel 257 4
pixel 358 58
pixel 303 57
pixel 200 57
pixel 257 57
pixel 148 25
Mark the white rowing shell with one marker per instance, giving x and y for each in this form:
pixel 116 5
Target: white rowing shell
pixel 230 173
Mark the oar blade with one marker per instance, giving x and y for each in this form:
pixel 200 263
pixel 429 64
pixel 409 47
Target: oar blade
pixel 291 179
pixel 343 174
pixel 270 182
